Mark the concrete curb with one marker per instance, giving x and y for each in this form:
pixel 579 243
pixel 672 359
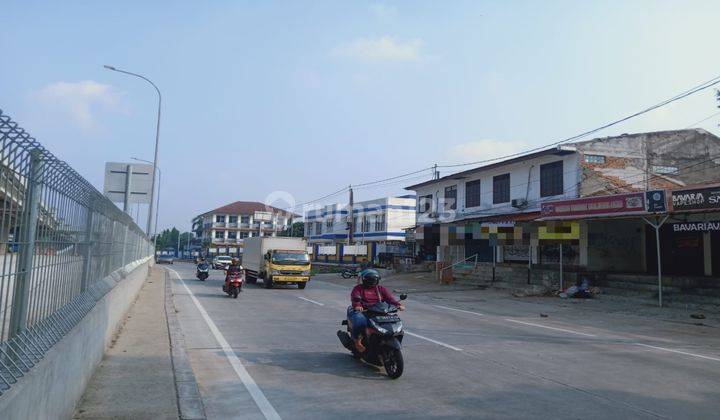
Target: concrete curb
pixel 190 402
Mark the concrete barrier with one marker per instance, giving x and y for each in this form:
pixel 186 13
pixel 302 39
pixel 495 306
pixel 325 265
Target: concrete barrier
pixel 55 385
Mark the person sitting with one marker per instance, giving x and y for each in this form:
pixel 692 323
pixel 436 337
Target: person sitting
pixel 363 296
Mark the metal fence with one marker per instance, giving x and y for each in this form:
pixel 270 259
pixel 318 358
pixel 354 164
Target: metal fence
pixel 62 244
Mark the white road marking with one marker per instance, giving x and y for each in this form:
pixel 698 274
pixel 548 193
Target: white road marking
pixel 257 395
pixel 458 310
pixel 549 328
pixel 440 343
pixel 679 352
pixel 311 301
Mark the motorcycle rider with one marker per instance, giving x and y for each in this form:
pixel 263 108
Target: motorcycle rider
pixel 201 262
pixel 233 269
pixel 364 295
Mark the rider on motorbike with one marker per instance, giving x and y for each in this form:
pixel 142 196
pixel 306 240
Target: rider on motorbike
pixel 202 262
pixel 364 295
pixel 234 268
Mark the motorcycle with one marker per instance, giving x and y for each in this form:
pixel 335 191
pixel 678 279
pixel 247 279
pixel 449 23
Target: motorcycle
pixel 349 272
pixel 203 271
pixel 382 340
pixel 233 284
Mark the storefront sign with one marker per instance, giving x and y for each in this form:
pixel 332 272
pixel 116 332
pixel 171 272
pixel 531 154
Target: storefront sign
pixel 655 201
pixel 595 206
pixel 696 199
pixel 696 226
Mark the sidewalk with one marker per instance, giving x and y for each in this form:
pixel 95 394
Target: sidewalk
pixel 135 379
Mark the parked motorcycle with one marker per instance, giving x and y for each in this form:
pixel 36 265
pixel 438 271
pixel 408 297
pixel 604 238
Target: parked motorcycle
pixel 203 271
pixel 233 284
pixel 382 340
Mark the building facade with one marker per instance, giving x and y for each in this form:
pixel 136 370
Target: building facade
pixel 383 220
pixel 223 229
pixel 509 211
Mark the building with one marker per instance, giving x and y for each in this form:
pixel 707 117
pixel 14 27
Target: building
pixel 590 196
pixel 223 229
pixel 378 223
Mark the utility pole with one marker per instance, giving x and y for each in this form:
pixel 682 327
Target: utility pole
pixel 436 174
pixel 177 252
pixel 351 217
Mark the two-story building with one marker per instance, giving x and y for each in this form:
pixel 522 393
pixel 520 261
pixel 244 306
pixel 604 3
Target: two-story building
pixel 381 222
pixel 223 229
pixel 481 211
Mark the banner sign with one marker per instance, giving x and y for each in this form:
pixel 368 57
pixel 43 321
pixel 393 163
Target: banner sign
pixel 610 205
pixel 696 226
pixel 696 199
pixel 655 201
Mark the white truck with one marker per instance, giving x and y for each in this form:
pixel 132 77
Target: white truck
pixel 276 260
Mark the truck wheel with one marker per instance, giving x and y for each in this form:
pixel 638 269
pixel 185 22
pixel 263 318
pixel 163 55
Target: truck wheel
pixel 302 285
pixel 268 282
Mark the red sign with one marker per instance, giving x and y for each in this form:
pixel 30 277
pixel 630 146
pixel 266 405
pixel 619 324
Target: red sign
pixel 610 205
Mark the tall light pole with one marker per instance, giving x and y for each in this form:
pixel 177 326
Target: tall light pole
pixel 157 139
pixel 157 207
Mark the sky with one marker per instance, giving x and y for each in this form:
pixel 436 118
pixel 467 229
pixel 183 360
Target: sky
pixel 289 101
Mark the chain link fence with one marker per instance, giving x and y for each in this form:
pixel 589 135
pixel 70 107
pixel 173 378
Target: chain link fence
pixel 62 247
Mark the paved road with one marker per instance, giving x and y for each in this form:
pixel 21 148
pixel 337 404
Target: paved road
pixel 274 354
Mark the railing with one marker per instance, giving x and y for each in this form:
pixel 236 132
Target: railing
pixel 475 257
pixel 59 238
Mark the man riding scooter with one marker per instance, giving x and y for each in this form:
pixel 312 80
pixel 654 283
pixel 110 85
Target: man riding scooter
pixel 235 277
pixel 364 295
pixel 202 269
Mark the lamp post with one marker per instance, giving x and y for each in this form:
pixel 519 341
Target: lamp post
pixel 157 140
pixel 157 207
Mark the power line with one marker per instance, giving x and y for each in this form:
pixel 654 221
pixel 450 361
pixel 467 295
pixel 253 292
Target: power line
pixel 691 91
pixel 702 86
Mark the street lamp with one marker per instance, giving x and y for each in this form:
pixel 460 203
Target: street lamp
pixel 157 207
pixel 157 140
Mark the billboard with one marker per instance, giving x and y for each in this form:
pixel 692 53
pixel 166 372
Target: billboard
pixel 707 198
pixel 607 205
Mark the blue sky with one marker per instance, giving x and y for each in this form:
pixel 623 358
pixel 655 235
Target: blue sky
pixel 309 97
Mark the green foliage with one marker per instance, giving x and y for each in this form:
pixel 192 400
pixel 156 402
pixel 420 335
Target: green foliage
pixel 296 230
pixel 168 238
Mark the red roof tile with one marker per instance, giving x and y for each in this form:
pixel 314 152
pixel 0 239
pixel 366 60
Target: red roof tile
pixel 248 207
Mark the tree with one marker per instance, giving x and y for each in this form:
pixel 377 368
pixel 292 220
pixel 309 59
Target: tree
pixel 168 238
pixel 296 230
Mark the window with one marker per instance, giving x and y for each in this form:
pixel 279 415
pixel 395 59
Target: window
pixel 243 235
pixel 329 222
pixel 356 228
pixel 472 193
pixel 365 224
pixel 595 159
pixel 380 223
pixel 232 219
pixel 451 197
pixel 308 228
pixel 664 169
pixel 501 189
pixel 220 218
pixel 219 234
pixel 551 179
pixel 244 219
pixel 232 235
pixel 318 228
pixel 425 203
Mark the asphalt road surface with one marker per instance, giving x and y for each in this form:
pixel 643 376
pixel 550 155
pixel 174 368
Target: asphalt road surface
pixel 274 354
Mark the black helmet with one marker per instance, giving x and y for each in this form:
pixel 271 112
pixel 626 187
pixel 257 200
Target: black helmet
pixel 370 277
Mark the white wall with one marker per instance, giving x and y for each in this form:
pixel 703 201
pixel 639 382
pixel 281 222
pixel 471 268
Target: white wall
pixel 518 188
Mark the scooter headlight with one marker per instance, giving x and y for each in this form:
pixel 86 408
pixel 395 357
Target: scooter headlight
pixel 377 326
pixel 397 327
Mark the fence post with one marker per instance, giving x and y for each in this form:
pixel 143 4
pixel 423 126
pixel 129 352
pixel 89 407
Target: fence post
pixel 21 295
pixel 85 280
